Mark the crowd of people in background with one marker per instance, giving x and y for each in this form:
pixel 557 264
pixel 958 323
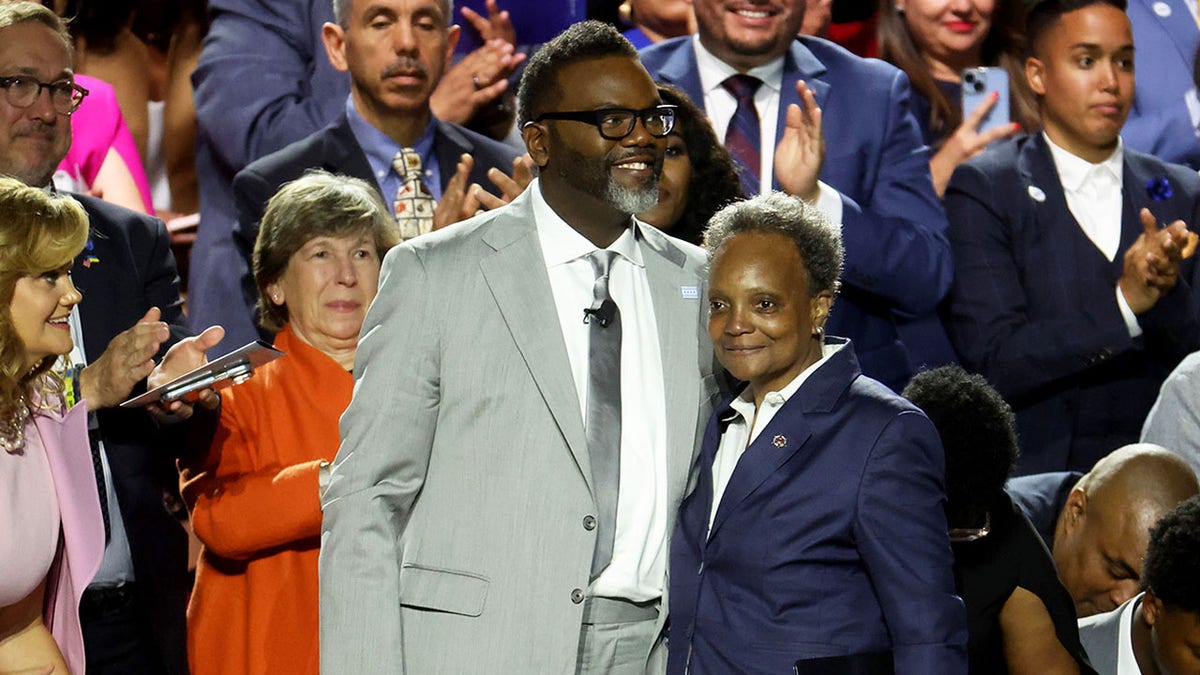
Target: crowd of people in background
pixel 654 336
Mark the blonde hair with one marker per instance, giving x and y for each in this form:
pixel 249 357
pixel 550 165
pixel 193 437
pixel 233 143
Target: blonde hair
pixel 39 232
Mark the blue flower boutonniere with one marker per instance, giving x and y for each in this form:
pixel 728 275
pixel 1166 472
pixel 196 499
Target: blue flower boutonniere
pixel 1159 189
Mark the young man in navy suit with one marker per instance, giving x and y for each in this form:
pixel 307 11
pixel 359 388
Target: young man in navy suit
pixel 1073 293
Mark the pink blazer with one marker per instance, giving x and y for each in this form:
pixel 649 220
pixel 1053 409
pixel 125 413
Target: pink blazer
pixel 65 440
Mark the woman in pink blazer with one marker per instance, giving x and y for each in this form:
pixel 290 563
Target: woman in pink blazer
pixel 51 532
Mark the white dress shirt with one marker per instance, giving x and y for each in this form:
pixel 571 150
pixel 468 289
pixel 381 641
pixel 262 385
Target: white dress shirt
pixel 1094 196
pixel 747 425
pixel 721 105
pixel 638 567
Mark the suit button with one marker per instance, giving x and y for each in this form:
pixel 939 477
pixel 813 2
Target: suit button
pixel 589 522
pixel 577 596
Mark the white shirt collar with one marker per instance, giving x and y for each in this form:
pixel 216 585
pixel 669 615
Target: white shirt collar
pixel 562 243
pixel 744 402
pixel 1074 171
pixel 714 71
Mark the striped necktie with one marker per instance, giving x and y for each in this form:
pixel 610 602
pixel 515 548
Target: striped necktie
pixel 743 136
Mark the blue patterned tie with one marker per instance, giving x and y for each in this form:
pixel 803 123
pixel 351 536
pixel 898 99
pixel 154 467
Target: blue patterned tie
pixel 743 136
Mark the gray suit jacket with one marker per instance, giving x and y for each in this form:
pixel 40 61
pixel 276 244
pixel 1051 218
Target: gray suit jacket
pixel 453 538
pixel 1099 634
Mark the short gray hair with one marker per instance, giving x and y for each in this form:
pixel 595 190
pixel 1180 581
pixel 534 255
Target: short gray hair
pixel 818 240
pixel 341 12
pixel 15 13
pixel 318 204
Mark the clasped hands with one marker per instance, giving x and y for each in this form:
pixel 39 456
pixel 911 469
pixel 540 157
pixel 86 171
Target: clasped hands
pixel 129 359
pixel 1151 265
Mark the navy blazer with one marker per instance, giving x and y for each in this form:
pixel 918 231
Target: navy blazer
pixel 336 150
pixel 893 227
pixel 1159 122
pixel 133 270
pixel 1034 308
pixel 830 539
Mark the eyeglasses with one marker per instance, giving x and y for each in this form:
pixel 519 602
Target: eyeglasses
pixel 23 91
pixel 617 123
pixel 962 534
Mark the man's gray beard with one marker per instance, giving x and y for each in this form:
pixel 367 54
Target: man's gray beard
pixel 631 200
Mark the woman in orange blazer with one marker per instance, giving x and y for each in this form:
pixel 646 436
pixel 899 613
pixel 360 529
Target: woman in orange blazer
pixel 254 497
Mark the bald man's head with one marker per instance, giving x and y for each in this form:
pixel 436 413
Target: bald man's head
pixel 1103 530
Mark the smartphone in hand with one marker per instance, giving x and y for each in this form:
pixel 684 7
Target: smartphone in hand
pixel 977 84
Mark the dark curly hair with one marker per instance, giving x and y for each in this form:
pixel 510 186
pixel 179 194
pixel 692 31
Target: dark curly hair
pixel 978 431
pixel 1169 570
pixel 582 41
pixel 714 183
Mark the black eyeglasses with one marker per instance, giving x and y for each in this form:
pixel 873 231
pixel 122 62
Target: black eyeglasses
pixel 23 91
pixel 617 123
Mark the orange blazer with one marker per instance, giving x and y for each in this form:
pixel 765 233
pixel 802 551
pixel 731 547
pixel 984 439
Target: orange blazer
pixel 255 506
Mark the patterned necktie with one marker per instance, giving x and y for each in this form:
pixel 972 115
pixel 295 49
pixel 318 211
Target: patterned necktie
pixel 414 205
pixel 743 136
pixel 604 406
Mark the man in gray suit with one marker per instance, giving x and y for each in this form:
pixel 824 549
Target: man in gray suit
pixel 1158 631
pixel 502 499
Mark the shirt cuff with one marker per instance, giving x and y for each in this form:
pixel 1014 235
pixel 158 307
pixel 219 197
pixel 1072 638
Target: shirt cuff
pixel 830 202
pixel 1131 322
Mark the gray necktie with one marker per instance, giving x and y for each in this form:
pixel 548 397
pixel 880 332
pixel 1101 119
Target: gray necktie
pixel 604 406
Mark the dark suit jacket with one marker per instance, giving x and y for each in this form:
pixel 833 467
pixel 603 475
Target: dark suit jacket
pixel 336 150
pixel 136 271
pixel 894 230
pixel 263 81
pixel 1042 496
pixel 830 539
pixel 1034 309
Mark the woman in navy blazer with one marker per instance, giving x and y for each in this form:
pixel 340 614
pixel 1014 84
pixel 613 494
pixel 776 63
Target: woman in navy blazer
pixel 827 548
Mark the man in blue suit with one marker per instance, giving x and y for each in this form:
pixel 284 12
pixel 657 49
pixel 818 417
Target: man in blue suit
pixel 1074 309
pixel 1166 113
pixel 815 538
pixel 812 97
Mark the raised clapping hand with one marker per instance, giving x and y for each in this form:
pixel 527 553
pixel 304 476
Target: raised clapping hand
pixel 460 201
pixel 183 357
pixel 800 153
pixel 966 142
pixel 127 361
pixel 481 76
pixel 497 25
pixel 1151 265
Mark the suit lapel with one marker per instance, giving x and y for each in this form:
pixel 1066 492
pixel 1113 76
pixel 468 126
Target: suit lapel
pixel 1178 24
pixel 788 432
pixel 798 64
pixel 344 155
pixel 516 275
pixel 677 318
pixel 681 70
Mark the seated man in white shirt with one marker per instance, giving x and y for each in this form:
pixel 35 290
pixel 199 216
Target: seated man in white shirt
pixel 1071 294
pixel 1158 631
